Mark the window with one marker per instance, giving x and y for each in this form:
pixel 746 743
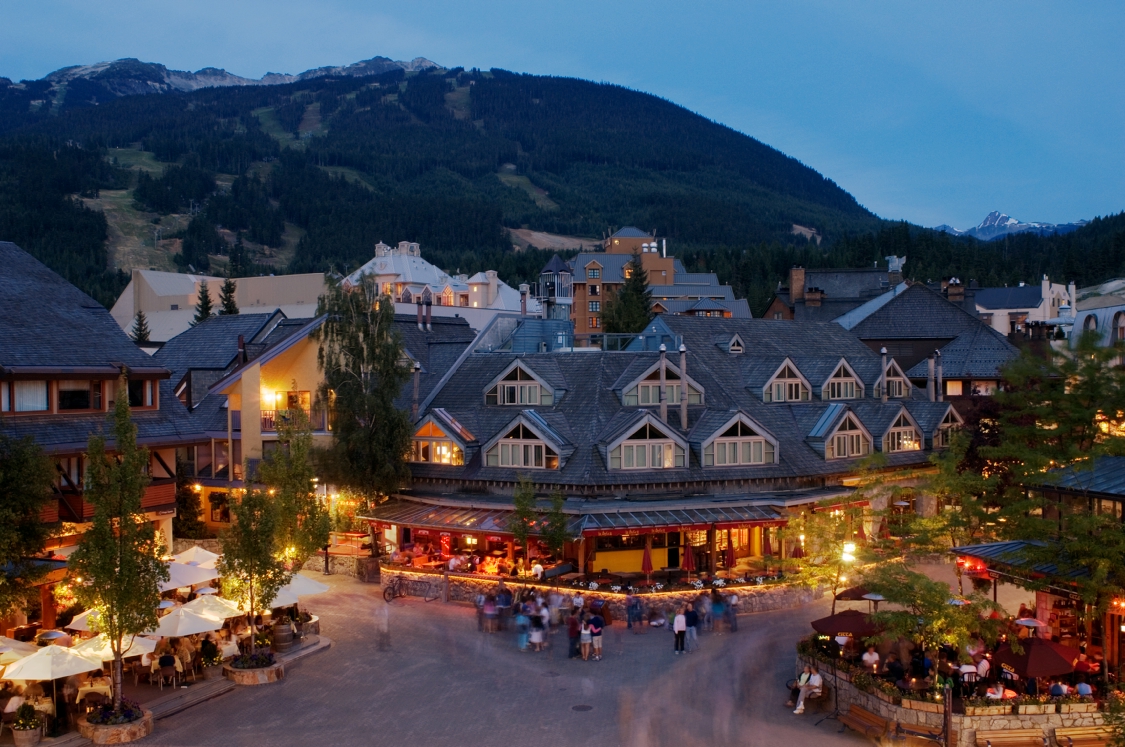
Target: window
pixel 433 445
pixel 520 447
pixel 519 388
pixel 446 298
pixel 953 389
pixel 406 297
pixel 945 431
pixel 464 299
pixel 140 393
pixel 848 441
pixel 220 508
pixel 896 388
pixel 842 385
pixel 593 273
pixel 594 322
pixel 595 305
pixel 80 395
pixel 738 445
pixel 902 437
pixel 647 392
pixel 1091 323
pixel 787 386
pixel 1119 327
pixel 594 290
pixel 386 289
pixel 735 346
pixel 30 396
pixel 778 315
pixel 647 448
pixel 628 272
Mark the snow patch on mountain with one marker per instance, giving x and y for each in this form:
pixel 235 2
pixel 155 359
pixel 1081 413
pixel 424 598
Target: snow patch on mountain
pixel 996 225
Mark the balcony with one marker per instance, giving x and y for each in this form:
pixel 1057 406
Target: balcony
pixel 318 419
pixel 72 506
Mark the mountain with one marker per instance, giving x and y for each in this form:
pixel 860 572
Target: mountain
pixel 130 77
pixel 997 225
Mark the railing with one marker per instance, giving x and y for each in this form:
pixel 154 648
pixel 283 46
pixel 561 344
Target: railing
pixel 318 419
pixel 159 493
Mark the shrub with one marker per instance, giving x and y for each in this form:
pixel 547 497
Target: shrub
pixel 27 718
pixel 105 715
pixel 259 660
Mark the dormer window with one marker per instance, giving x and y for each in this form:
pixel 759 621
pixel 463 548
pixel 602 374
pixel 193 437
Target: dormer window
pixel 735 346
pixel 787 386
pixel 520 447
pixel 944 434
pixel 24 396
pixel 647 392
pixel 903 436
pixel 843 384
pixel 647 448
pixel 897 385
pixel 738 445
pixel 80 395
pixel 850 440
pixel 142 393
pixel 433 445
pixel 519 388
pixel 447 297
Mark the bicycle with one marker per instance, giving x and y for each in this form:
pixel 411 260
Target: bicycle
pixel 401 587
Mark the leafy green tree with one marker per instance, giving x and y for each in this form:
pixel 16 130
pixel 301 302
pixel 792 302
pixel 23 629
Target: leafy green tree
pixel 828 536
pixel 188 521
pixel 252 565
pixel 203 307
pixel 302 518
pixel 119 557
pixel 26 476
pixel 556 532
pixel 361 356
pixel 523 513
pixel 140 332
pixel 630 310
pixel 228 306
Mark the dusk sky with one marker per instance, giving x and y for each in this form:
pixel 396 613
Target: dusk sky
pixel 932 112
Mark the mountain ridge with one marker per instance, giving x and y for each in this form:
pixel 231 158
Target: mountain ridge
pixel 997 225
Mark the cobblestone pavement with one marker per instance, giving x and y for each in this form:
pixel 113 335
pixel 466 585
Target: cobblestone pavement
pixel 441 683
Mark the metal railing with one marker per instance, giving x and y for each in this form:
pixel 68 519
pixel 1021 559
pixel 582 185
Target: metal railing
pixel 318 419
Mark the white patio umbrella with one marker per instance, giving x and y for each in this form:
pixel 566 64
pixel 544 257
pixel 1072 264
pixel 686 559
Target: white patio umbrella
pixel 83 621
pixel 1031 622
pixel 181 622
pixel 12 650
pixel 51 663
pixel 284 598
pixel 197 556
pixel 214 607
pixel 303 586
pixel 98 647
pixel 181 575
pixel 207 590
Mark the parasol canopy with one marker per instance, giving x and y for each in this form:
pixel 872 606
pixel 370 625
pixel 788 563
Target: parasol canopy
pixel 1031 622
pixel 854 594
pixel 51 663
pixel 283 598
pixel 183 622
pixel 84 621
pixel 850 623
pixel 688 561
pixel 98 647
pixel 303 586
pixel 767 547
pixel 646 561
pixel 12 650
pixel 213 606
pixel 180 575
pixel 197 556
pixel 1040 658
pixel 798 552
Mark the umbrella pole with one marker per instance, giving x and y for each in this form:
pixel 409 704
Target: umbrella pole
pixel 835 694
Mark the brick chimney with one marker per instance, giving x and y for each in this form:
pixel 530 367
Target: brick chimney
pixel 955 292
pixel 796 284
pixel 813 296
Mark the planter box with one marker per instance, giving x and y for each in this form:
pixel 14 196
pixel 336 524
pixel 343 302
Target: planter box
pixel 988 710
pixel 213 673
pixel 259 676
pixel 925 706
pixel 27 737
pixel 116 733
pixel 1090 707
pixel 1037 709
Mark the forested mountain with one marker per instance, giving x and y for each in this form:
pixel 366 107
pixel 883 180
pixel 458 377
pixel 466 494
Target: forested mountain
pixel 330 165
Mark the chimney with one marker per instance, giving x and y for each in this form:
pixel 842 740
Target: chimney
pixel 664 253
pixel 813 296
pixel 1073 293
pixel 417 382
pixel 242 348
pixel 663 383
pixel 930 393
pixel 1045 295
pixel 796 284
pixel 429 315
pixel 493 286
pixel 883 352
pixel 683 387
pixel 939 387
pixel 419 314
pixel 523 299
pixel 955 292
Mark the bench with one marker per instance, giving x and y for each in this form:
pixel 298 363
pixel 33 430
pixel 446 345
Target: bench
pixel 820 701
pixel 932 733
pixel 865 722
pixel 1012 738
pixel 1083 736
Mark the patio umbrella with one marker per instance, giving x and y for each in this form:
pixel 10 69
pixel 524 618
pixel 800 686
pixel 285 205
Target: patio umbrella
pixel 854 594
pixel 207 590
pixel 798 552
pixel 688 562
pixel 283 598
pixel 213 607
pixel 730 560
pixel 1040 658
pixel 852 623
pixel 875 598
pixel 51 663
pixel 767 548
pixel 83 621
pixel 180 575
pixel 646 562
pixel 12 650
pixel 197 556
pixel 861 535
pixel 1031 622
pixel 183 622
pixel 98 647
pixel 303 586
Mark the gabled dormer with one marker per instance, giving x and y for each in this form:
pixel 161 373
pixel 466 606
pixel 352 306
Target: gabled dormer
pixel 740 441
pixel 643 442
pixel 843 384
pixel 440 439
pixel 644 390
pixel 943 435
pixel 898 386
pixel 518 385
pixel 732 344
pixel 527 442
pixel 839 434
pixel 787 384
pixel 903 435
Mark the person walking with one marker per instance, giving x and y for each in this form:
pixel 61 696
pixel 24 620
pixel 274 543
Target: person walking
pixel 504 605
pixel 706 622
pixel 585 638
pixel 537 629
pixel 732 608
pixel 597 625
pixel 523 625
pixel 692 621
pixel 632 612
pixel 679 630
pixel 573 632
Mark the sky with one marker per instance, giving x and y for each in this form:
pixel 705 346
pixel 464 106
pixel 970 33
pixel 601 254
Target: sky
pixel 930 112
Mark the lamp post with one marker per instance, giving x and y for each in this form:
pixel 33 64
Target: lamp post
pixel 846 556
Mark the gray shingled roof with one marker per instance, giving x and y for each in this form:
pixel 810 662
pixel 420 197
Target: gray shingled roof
pixel 211 344
pixel 630 232
pixel 848 283
pixel 1104 475
pixel 978 353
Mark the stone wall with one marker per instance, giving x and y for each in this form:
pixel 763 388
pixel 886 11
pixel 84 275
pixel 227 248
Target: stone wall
pixel 930 715
pixel 465 588
pixel 180 544
pixel 338 565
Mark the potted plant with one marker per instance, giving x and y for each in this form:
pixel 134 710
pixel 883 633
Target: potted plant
pixel 26 729
pixel 1033 705
pixel 1075 704
pixel 213 666
pixel 986 707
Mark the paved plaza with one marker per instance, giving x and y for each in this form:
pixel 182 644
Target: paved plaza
pixel 440 682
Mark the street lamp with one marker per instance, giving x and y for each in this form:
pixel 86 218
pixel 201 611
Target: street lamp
pixel 847 556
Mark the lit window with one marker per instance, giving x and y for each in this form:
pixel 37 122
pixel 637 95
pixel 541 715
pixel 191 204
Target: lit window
pixel 520 447
pixel 647 392
pixel 842 385
pixel 29 396
pixel 447 297
pixel 902 437
pixel 519 388
pixel 431 444
pixel 944 434
pixel 787 386
pixel 647 448
pixel 953 388
pixel 593 273
pixel 595 322
pixel 738 445
pixel 595 305
pixel 848 441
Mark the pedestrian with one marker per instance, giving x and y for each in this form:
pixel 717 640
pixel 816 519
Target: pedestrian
pixel 718 610
pixel 578 602
pixel 585 638
pixel 706 622
pixel 732 605
pixel 491 613
pixel 597 624
pixel 632 612
pixel 537 629
pixel 691 619
pixel 504 605
pixel 479 602
pixel 679 630
pixel 573 631
pixel 523 627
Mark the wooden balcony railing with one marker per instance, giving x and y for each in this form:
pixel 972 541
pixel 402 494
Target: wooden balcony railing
pixel 318 419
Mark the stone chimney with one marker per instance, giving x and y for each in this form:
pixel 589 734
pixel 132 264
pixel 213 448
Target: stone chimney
pixel 524 288
pixel 419 314
pixel 493 286
pixel 939 387
pixel 930 392
pixel 663 384
pixel 955 292
pixel 417 383
pixel 1073 293
pixel 883 352
pixel 683 387
pixel 813 296
pixel 796 284
pixel 1045 295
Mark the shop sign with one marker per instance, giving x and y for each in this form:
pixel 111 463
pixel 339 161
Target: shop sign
pixel 421 531
pixel 445 534
pixel 994 575
pixel 495 539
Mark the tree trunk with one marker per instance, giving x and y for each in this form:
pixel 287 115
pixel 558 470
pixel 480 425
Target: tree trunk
pixel 253 628
pixel 118 667
pixel 835 588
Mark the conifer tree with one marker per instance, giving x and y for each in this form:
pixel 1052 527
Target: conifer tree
pixel 140 331
pixel 203 307
pixel 228 306
pixel 237 264
pixel 630 310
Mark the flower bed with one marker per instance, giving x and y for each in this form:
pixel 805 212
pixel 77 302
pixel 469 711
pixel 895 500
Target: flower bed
pixel 262 675
pixel 107 726
pixel 258 660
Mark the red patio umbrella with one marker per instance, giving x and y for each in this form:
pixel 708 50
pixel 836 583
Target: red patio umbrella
pixel 730 556
pixel 646 562
pixel 854 594
pixel 1040 658
pixel 798 553
pixel 688 562
pixel 861 535
pixel 767 548
pixel 850 623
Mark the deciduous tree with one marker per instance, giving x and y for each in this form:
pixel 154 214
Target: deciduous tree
pixel 25 485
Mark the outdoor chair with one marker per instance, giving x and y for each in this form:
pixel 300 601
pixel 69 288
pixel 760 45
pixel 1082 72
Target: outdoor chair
pixel 90 701
pixel 168 674
pixel 7 720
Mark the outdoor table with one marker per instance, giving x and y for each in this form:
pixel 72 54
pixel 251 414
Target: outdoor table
pixel 228 649
pixel 156 664
pixel 44 705
pixel 103 689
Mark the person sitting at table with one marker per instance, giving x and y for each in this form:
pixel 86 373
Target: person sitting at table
pixel 15 701
pixel 208 648
pixel 1083 689
pixel 984 666
pixel 185 651
pixel 34 690
pixel 995 691
pixel 871 659
pixel 1059 689
pixel 893 669
pixel 537 571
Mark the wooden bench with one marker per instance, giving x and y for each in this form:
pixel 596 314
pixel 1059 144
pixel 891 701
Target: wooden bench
pixel 865 722
pixel 1012 738
pixel 821 701
pixel 1083 736
pixel 932 733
